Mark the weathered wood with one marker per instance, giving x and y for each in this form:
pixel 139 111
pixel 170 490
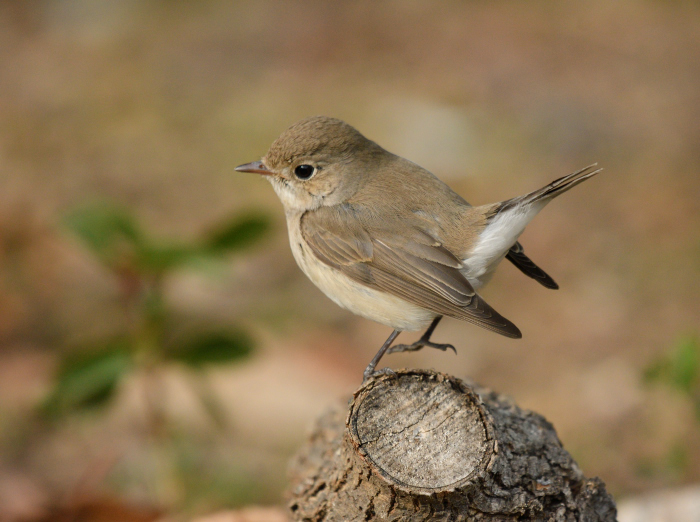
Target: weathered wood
pixel 421 445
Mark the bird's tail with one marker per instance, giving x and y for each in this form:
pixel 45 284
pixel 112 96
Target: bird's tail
pixel 505 221
pixel 548 192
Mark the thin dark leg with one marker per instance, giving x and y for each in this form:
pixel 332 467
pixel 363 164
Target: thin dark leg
pixel 423 341
pixel 431 328
pixel 369 371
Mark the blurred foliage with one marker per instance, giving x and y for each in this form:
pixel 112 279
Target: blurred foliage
pixel 213 348
pixel 142 263
pixel 88 379
pixel 221 481
pixel 680 369
pixel 116 238
pixel 671 466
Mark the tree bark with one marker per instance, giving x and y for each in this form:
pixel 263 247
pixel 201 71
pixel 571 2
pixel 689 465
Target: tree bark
pixel 421 445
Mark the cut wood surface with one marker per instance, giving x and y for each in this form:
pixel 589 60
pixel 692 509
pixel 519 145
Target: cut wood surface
pixel 421 445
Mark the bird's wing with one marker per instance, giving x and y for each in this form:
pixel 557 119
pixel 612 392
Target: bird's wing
pixel 412 266
pixel 517 256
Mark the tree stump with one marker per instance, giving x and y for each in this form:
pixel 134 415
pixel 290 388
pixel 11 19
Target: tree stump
pixel 421 445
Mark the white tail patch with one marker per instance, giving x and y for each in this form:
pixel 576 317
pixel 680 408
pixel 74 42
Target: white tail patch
pixel 495 241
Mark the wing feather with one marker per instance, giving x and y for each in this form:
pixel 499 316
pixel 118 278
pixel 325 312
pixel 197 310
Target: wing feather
pixel 416 267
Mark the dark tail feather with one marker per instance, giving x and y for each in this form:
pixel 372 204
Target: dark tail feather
pixel 561 185
pixel 523 263
pixel 556 187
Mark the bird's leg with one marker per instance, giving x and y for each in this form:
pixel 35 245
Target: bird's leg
pixel 423 341
pixel 369 371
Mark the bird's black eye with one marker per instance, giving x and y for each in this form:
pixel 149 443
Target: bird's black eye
pixel 304 171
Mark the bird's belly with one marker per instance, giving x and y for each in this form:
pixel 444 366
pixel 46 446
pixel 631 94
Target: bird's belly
pixel 372 304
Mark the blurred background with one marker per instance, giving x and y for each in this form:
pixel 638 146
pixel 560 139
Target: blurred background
pixel 161 353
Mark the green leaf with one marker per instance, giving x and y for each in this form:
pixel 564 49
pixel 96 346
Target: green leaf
pixel 161 258
pixel 685 364
pixel 213 348
pixel 109 231
pixel 679 368
pixel 237 233
pixel 88 380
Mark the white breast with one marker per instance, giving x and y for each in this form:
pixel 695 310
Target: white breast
pixel 359 299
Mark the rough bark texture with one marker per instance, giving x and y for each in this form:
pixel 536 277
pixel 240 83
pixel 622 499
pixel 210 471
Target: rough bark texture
pixel 422 445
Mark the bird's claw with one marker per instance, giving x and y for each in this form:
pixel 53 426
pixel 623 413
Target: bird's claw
pixel 420 344
pixel 373 374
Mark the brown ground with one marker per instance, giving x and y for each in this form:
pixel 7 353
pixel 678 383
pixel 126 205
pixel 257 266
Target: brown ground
pixel 152 104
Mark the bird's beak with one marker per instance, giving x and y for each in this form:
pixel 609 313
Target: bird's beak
pixel 256 167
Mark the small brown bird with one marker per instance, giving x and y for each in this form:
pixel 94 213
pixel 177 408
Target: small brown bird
pixel 387 240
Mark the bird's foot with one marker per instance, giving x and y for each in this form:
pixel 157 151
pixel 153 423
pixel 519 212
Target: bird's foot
pixel 419 345
pixel 371 373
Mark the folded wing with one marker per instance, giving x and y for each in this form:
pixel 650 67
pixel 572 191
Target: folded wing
pixel 413 266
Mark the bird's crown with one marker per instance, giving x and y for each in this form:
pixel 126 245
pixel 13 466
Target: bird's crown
pixel 317 136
